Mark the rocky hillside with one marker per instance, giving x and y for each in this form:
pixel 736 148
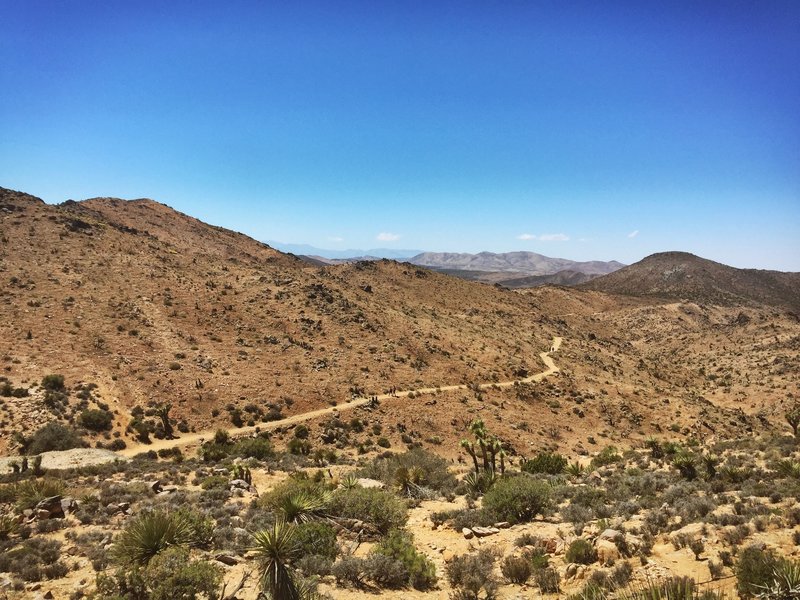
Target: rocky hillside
pixel 680 275
pixel 143 303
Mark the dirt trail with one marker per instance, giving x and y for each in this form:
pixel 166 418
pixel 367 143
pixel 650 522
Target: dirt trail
pixel 201 436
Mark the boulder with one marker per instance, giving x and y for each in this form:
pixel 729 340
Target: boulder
pixel 467 533
pixel 607 552
pixel 227 559
pixel 240 484
pixel 370 483
pixel 609 534
pixel 154 486
pixel 485 531
pixel 503 525
pixel 68 504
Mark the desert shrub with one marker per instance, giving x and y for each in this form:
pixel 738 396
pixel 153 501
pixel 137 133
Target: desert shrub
pixel 169 575
pixel 300 447
pixel 472 573
pixel 96 419
pixel 547 580
pixel 580 551
pixel 53 436
pixel 381 509
pixel 436 474
pixel 420 571
pixel 516 569
pixel 314 565
pixel 754 570
pixel 34 559
pixel 172 575
pixel 299 499
pixel 53 383
pixel 150 533
pixel 349 570
pixel 385 571
pixel 715 569
pixel 8 493
pixel 316 538
pixel 546 462
pixel 32 491
pixel 605 457
pixel 517 499
pixel 621 574
pixel 259 448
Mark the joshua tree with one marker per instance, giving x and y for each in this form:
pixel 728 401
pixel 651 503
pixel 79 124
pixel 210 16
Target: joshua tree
pixel 793 418
pixel 163 413
pixel 490 446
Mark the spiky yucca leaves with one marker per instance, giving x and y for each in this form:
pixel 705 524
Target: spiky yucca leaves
pixel 9 524
pixel 32 491
pixel 788 468
pixel 674 588
pixel 480 484
pixel 150 533
pixel 686 463
pixel 410 481
pixel 785 584
pixel 275 548
pixel 303 506
pixel 575 469
pixel 349 482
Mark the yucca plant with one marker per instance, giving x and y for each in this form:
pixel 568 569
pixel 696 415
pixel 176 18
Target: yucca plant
pixel 349 482
pixel 32 491
pixel 786 582
pixel 304 506
pixel 575 469
pixel 275 548
pixel 788 468
pixel 150 533
pixel 686 463
pixel 480 484
pixel 9 524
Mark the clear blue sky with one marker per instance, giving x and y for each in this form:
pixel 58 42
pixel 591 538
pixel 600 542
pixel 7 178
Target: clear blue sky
pixel 626 127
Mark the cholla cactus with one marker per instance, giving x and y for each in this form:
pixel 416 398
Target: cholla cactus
pixel 242 472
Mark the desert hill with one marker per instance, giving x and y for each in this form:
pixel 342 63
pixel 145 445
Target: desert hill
pixel 680 275
pixel 136 304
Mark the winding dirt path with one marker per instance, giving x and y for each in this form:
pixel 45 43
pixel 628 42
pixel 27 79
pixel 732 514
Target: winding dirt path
pixel 201 436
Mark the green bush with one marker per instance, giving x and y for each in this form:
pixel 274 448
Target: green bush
pixel 316 538
pixel 516 569
pixel 755 569
pixel 517 499
pixel 53 383
pixel 546 462
pixel 169 575
pixel 381 509
pixel 34 559
pixel 53 436
pixel 580 551
pixel 434 468
pixel 471 573
pixel 259 448
pixel 606 456
pixel 420 571
pixel 96 419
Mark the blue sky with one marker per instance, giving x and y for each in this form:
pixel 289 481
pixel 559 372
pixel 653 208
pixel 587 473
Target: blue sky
pixel 588 130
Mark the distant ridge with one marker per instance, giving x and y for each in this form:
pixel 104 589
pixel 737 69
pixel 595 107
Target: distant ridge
pixel 684 276
pixel 518 263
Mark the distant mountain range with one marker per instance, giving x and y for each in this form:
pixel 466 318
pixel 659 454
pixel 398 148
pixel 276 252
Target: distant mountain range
pixel 524 263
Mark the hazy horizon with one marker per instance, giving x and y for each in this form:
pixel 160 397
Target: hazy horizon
pixel 588 132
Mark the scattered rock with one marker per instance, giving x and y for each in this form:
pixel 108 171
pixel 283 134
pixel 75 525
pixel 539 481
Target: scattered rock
pixel 467 533
pixel 607 552
pixel 503 525
pixel 154 486
pixel 485 531
pixel 227 559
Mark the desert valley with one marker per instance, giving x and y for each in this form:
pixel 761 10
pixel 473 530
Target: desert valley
pixel 189 413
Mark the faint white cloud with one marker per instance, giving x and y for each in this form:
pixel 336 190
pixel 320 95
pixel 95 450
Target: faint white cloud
pixel 633 233
pixel 335 238
pixel 387 237
pixel 526 236
pixel 554 237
